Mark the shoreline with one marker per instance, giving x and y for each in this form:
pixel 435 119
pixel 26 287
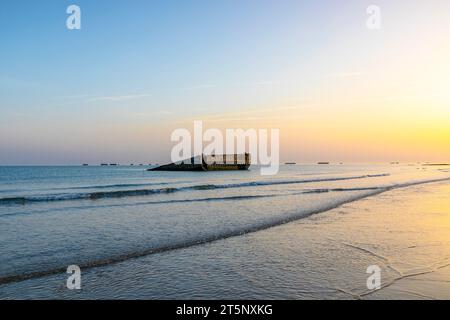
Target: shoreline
pixel 326 256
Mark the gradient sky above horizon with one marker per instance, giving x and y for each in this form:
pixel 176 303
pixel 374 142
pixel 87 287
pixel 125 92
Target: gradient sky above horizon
pixel 115 90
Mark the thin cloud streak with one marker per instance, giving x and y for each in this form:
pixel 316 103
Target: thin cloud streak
pixel 240 115
pixel 199 87
pixel 119 98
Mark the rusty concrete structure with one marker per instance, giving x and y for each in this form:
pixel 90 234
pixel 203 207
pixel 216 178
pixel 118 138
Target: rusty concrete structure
pixel 209 163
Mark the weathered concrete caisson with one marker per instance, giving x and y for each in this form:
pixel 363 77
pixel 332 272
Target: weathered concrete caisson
pixel 209 163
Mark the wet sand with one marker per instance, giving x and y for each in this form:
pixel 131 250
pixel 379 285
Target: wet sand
pixel 406 232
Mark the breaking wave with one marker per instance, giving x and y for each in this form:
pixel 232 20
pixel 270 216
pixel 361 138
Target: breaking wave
pixel 110 186
pixel 207 199
pixel 22 200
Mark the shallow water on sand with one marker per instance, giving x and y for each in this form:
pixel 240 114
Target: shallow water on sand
pixel 120 224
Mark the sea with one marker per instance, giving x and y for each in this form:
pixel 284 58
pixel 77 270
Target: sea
pixel 143 234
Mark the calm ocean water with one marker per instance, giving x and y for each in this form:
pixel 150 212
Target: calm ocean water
pixel 94 217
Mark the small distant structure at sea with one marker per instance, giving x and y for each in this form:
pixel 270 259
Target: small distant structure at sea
pixel 323 162
pixel 209 163
pixel 290 163
pixel 85 164
pixel 113 164
pixel 104 164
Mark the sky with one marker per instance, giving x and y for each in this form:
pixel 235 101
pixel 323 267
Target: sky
pixel 114 90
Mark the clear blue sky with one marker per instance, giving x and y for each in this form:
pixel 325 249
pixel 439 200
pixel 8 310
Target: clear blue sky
pixel 65 95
